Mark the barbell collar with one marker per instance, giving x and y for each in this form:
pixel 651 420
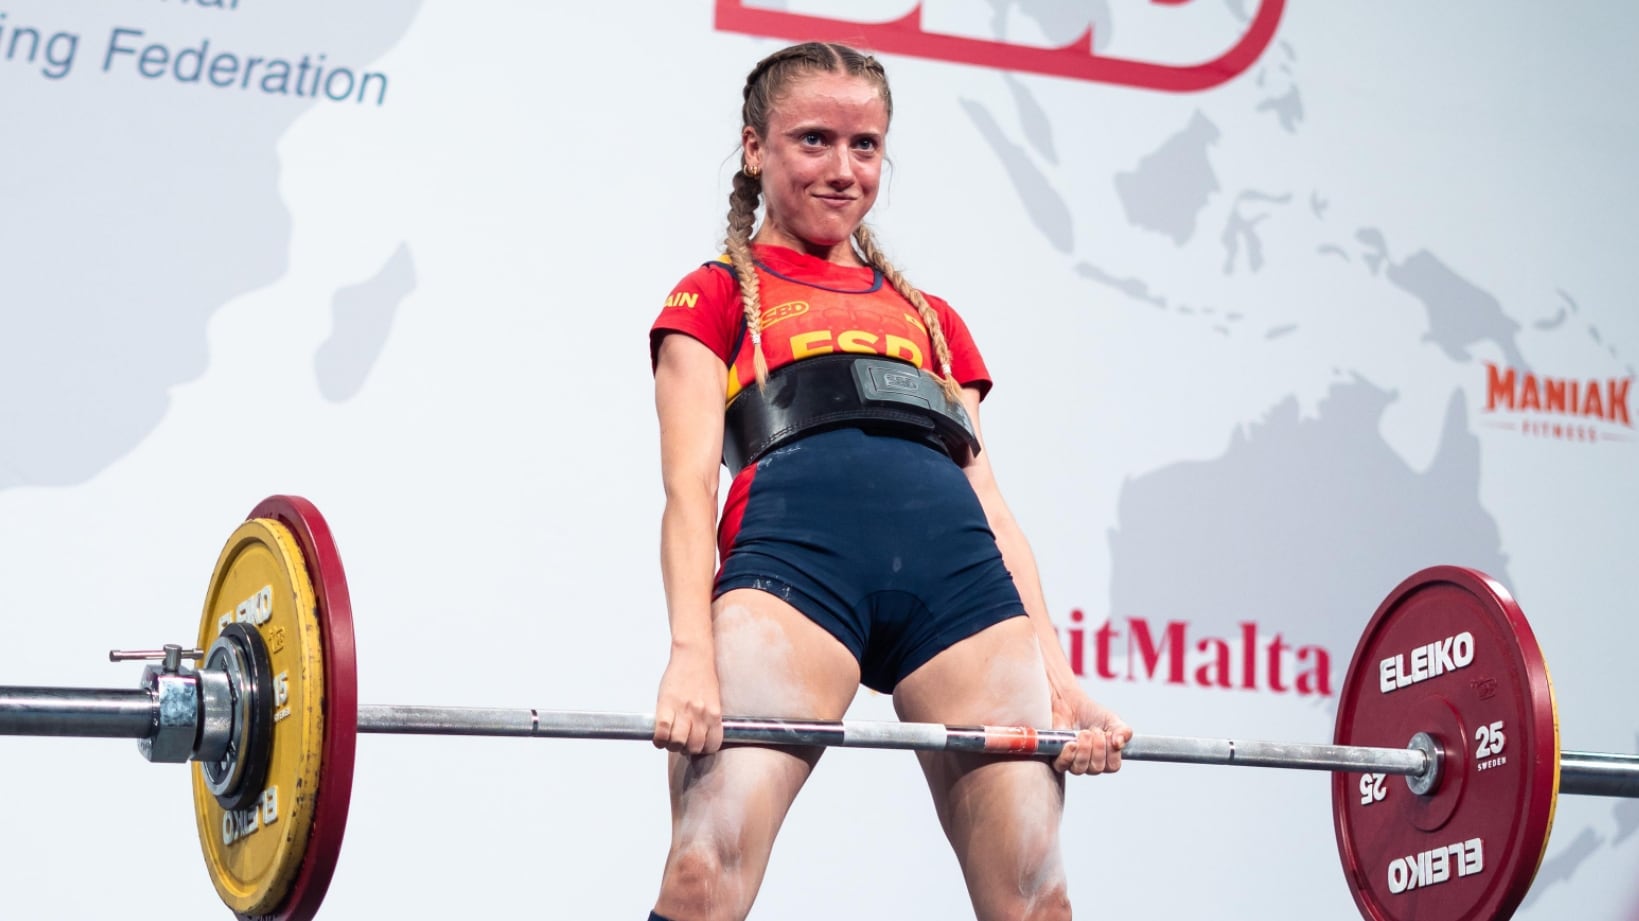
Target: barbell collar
pixel 178 714
pixel 79 712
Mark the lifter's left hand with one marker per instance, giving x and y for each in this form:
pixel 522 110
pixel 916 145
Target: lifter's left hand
pixel 1102 735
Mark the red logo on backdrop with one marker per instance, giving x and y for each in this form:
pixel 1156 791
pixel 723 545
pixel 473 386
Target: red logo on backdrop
pixel 1564 408
pixel 1138 649
pixel 1076 60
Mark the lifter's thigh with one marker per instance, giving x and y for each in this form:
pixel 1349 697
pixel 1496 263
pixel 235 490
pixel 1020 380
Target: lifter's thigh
pixel 727 807
pixel 1001 816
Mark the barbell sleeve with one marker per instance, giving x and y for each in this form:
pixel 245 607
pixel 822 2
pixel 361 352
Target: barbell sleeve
pixel 83 712
pixel 1598 774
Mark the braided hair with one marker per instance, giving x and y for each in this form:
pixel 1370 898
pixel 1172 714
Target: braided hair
pixel 766 82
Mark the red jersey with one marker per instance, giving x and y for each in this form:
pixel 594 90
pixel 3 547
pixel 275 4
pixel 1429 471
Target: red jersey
pixel 810 307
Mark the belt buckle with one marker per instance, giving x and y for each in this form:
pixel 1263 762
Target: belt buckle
pixel 891 382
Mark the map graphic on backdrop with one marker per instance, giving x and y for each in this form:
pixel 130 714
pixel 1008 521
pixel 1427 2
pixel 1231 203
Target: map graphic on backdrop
pixel 73 396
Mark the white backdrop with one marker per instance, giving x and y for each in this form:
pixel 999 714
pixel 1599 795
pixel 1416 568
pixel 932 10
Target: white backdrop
pixel 1264 312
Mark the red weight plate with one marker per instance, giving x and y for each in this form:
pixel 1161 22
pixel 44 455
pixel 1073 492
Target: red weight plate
pixel 341 704
pixel 1448 653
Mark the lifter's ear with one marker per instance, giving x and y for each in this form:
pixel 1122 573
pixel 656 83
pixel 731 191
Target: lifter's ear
pixel 751 151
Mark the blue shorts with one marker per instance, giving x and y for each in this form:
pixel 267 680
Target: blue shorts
pixel 878 539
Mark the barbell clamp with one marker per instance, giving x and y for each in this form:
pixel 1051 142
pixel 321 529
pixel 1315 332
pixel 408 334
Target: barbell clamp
pixel 170 657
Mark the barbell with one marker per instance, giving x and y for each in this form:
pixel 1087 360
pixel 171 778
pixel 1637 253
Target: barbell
pixel 1447 689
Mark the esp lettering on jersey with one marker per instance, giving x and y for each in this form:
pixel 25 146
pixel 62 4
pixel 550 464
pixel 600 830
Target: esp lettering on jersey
pixel 810 307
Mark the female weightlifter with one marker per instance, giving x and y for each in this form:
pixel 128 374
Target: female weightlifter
pixel 863 538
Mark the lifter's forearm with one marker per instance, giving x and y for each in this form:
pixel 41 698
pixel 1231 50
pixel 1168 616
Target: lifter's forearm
pixel 688 555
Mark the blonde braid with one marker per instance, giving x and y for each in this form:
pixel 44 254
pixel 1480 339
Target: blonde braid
pixel 941 348
pixel 742 212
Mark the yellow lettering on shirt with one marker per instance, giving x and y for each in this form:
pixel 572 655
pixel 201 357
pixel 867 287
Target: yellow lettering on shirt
pixel 857 340
pixel 783 312
pixel 824 342
pixel 817 342
pixel 899 347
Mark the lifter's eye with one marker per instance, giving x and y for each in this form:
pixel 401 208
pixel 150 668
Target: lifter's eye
pixel 866 144
pixel 812 138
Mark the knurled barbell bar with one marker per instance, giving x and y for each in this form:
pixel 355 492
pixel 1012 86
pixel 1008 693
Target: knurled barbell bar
pixel 1447 689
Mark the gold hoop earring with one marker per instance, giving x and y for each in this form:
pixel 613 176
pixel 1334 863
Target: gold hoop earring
pixel 752 172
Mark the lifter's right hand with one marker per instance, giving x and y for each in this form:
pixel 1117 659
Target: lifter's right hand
pixel 688 716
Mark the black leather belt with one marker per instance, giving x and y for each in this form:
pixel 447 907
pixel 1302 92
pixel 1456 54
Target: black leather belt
pixel 831 391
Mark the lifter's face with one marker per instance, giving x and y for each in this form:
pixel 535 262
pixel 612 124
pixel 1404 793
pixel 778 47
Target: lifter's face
pixel 821 160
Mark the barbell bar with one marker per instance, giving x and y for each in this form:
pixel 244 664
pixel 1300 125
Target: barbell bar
pixel 133 714
pixel 904 736
pixel 270 713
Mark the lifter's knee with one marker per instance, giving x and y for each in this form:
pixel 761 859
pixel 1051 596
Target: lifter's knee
pixel 703 882
pixel 1050 902
pixel 1026 882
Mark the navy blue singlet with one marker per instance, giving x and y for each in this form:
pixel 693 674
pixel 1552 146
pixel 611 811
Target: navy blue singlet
pixel 878 539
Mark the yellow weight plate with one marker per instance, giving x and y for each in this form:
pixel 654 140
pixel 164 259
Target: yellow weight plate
pixel 253 854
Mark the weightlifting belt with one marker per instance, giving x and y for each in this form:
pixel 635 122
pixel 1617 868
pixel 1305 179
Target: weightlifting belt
pixel 831 391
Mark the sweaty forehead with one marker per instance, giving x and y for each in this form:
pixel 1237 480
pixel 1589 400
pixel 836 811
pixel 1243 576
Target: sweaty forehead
pixel 832 99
